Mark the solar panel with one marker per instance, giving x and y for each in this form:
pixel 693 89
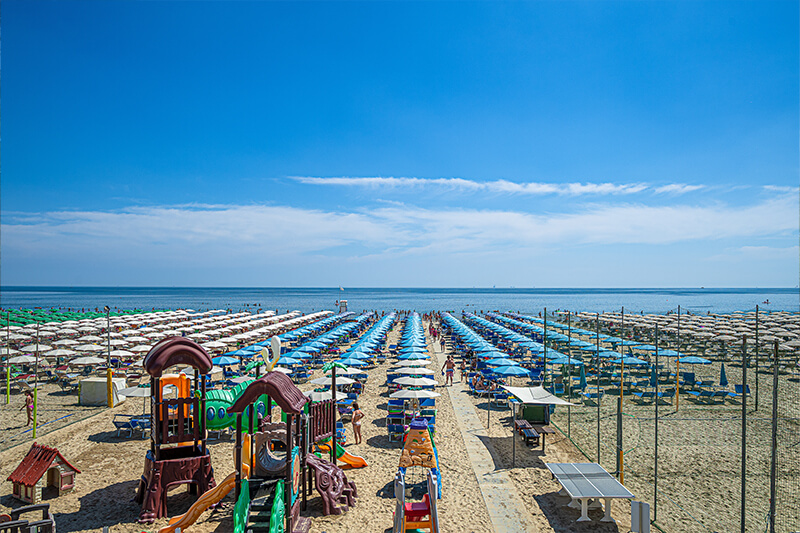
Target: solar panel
pixel 588 480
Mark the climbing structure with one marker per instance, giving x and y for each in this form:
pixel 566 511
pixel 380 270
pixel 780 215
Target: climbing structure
pixel 178 453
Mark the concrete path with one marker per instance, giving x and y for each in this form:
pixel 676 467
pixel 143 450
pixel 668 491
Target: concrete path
pixel 506 510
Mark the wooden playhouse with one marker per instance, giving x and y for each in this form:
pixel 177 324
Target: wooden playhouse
pixel 42 467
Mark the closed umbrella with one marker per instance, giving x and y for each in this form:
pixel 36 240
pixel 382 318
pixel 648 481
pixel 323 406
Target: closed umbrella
pixel 723 378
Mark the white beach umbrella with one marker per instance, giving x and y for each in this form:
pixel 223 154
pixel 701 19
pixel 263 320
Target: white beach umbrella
pixel 406 393
pixel 36 348
pixel 60 352
pixel 8 351
pixel 66 342
pixel 118 342
pixel 89 348
pixel 122 353
pixel 141 348
pixel 315 396
pixel 90 338
pixel 419 371
pixel 327 381
pixel 416 382
pixel 23 360
pixel 88 360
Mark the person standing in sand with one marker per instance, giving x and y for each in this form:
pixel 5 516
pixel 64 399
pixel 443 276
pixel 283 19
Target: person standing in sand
pixel 358 414
pixel 29 406
pixel 449 367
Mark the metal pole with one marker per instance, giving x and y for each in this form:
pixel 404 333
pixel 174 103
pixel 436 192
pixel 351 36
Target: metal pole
pixel 108 338
pixel 744 430
pixel 8 356
pixel 773 471
pixel 597 381
pixel 655 454
pixel 569 373
pixel 619 400
pixel 514 436
pixel 36 372
pixel 544 342
pixel 334 411
pixel 678 366
pixel 756 407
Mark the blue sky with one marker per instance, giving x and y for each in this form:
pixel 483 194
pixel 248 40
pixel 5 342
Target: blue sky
pixel 546 144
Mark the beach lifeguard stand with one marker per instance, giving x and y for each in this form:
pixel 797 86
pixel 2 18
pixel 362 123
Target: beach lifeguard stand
pixel 178 453
pixel 342 306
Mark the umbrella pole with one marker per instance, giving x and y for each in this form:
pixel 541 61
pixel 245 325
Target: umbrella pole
pixel 619 400
pixel 597 380
pixel 36 372
pixel 756 354
pixel 8 356
pixel 678 366
pixel 655 454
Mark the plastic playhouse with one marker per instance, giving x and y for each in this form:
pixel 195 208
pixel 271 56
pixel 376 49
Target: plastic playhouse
pixel 40 468
pixel 274 466
pixel 418 450
pixel 178 452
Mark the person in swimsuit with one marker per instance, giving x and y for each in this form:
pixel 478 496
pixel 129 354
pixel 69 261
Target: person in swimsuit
pixel 357 416
pixel 29 406
pixel 449 367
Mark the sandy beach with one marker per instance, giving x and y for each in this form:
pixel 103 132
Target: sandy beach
pixel 698 462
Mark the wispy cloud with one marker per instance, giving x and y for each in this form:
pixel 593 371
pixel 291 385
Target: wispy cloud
pixel 678 188
pixel 258 230
pixel 495 186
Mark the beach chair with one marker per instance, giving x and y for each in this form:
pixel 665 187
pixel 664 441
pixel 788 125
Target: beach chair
pixel 668 394
pixel 124 423
pixel 702 396
pixel 396 432
pixel 593 397
pixel 427 402
pixel 646 396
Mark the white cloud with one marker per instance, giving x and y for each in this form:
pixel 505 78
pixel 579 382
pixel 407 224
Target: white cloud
pixel 678 188
pixel 259 230
pixel 496 186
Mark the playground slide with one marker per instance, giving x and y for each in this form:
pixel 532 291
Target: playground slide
pixel 353 460
pixel 205 501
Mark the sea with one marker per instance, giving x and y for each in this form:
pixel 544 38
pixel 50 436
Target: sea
pixel 528 300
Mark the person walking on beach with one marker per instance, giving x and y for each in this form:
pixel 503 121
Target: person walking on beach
pixel 358 414
pixel 449 367
pixel 29 406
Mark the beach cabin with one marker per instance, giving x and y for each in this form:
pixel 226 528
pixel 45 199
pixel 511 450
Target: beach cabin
pixel 42 467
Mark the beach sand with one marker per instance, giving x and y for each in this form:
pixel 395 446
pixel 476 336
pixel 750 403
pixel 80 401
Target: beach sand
pixel 698 464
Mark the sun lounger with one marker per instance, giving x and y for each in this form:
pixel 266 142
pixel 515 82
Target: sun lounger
pixel 124 423
pixel 645 396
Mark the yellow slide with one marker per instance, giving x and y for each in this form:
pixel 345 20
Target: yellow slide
pixel 209 498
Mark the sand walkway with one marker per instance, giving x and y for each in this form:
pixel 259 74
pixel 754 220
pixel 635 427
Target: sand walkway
pixel 505 507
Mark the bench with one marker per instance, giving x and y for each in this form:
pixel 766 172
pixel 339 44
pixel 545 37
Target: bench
pixel 530 436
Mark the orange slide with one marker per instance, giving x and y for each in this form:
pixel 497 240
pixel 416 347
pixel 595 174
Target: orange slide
pixel 353 461
pixel 205 501
pixel 209 498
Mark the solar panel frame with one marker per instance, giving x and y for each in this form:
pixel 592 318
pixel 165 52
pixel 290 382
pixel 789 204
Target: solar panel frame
pixel 588 480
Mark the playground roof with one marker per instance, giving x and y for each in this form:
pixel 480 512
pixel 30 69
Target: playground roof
pixel 35 464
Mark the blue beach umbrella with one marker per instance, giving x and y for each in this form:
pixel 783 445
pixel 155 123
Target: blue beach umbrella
pixel 510 371
pixel 502 361
pixel 582 381
pixel 352 362
pixel 289 361
pixel 224 360
pixel 693 360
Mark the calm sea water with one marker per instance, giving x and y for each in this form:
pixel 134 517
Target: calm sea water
pixel 315 299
